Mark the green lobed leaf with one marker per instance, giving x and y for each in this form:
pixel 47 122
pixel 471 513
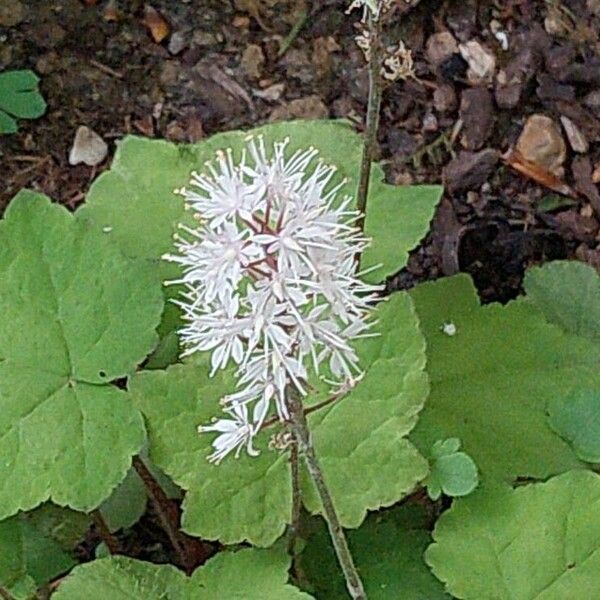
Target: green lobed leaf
pixel 19 97
pixel 388 551
pixel 576 418
pixel 397 219
pixel 127 503
pixel 7 123
pixel 28 557
pixel 247 574
pixel 360 438
pixel 541 542
pixel 75 315
pixel 491 380
pixel 63 525
pixel 135 197
pixel 452 472
pixel 568 294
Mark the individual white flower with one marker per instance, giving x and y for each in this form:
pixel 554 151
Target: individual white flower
pixel 271 281
pixel 235 434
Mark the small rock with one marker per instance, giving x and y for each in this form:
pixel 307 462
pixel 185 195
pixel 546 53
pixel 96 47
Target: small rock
pixel 549 89
pixel 577 140
pixel 592 101
pixel 558 59
pixel 204 38
pixel 596 174
pixel 477 114
pixel 589 256
pixel 587 123
pixel 11 13
pixel 469 170
pixel 430 123
pixel 309 107
pixel 400 142
pixel 594 7
pixel 440 46
pixel 481 61
pixel 586 72
pixel 298 65
pixel 271 93
pixel 253 60
pixel 177 43
pixel 444 98
pixel 48 34
pixel 542 143
pixel 169 73
pixel 584 182
pixel 321 54
pixel 576 226
pixel 47 63
pixel 88 148
pixel 556 25
pixel 511 82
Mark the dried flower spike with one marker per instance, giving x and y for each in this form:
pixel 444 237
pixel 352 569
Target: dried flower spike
pixel 270 281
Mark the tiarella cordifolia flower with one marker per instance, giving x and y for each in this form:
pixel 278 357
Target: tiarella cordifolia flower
pixel 271 283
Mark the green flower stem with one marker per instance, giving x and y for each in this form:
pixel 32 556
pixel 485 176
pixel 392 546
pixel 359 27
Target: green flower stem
pixel 306 449
pixel 373 112
pixel 111 542
pixel 296 499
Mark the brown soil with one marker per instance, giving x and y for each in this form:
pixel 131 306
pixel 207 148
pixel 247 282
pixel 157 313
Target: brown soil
pixel 219 69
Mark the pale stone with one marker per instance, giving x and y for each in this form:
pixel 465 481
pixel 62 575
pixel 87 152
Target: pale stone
pixel 88 148
pixel 481 61
pixel 541 143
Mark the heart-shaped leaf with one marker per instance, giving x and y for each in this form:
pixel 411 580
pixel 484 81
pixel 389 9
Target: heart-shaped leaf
pixel 19 97
pixel 360 438
pixel 247 574
pixel 74 315
pixel 541 541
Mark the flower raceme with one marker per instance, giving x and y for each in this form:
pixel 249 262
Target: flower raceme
pixel 270 282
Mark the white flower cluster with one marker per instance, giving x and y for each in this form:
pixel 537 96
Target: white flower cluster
pixel 271 283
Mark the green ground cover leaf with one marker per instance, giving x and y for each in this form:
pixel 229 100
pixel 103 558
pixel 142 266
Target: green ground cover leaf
pixel 541 542
pixel 19 97
pixel 568 294
pixel 388 551
pixel 75 315
pixel 127 503
pixel 135 197
pixel 576 418
pixel 247 574
pixel 135 200
pixel 361 439
pixel 452 472
pixel 491 380
pixel 29 558
pixel 63 525
pixel 397 219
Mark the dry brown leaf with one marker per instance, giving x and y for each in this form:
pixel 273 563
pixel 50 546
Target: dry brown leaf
pixel 515 160
pixel 156 24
